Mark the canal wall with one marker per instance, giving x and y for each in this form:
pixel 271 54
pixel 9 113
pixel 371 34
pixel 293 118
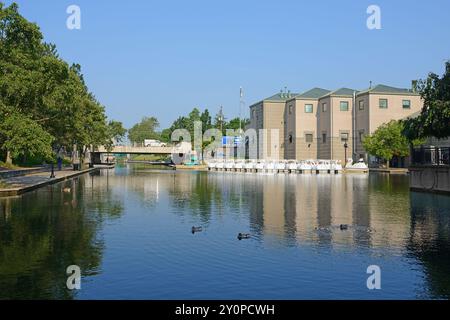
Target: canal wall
pixel 434 179
pixel 45 181
pixel 20 172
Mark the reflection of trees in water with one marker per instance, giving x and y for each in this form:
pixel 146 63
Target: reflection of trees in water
pixel 430 240
pixel 42 233
pixel 102 201
pixel 203 194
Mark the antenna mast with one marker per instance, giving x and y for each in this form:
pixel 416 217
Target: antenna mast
pixel 241 103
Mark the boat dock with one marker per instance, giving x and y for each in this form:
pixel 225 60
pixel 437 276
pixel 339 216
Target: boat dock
pixel 284 166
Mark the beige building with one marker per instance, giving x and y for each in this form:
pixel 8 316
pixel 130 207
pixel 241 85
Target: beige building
pixel 335 125
pixel 323 124
pixel 269 114
pixel 301 125
pixel 380 105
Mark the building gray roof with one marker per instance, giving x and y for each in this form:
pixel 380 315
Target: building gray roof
pixel 314 93
pixel 281 96
pixel 342 92
pixel 384 89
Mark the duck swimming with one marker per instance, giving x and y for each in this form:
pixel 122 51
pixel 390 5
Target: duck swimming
pixel 243 236
pixel 196 229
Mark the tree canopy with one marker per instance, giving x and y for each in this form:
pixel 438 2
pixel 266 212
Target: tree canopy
pixel 434 119
pixel 187 122
pixel 388 141
pixel 146 129
pixel 44 97
pixel 117 131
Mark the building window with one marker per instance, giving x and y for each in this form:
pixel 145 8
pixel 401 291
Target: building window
pixel 344 105
pixel 324 107
pixel 361 136
pixel 406 104
pixel 290 109
pixel 308 137
pixel 344 136
pixel 361 104
pixel 324 138
pixel 308 108
pixel 383 103
pixel 254 113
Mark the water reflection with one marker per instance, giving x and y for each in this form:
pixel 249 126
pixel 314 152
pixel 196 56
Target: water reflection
pixel 294 207
pixel 42 233
pixel 105 220
pixel 430 240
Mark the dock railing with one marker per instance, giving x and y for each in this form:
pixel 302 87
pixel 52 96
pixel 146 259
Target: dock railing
pixel 430 156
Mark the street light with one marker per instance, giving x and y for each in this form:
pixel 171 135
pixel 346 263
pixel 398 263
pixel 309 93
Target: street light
pixel 345 151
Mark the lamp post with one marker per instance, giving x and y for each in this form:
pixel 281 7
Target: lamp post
pixel 345 151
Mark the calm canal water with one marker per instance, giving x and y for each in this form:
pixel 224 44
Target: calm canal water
pixel 129 230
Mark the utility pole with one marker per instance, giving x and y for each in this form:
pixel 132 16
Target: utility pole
pixel 221 119
pixel 241 104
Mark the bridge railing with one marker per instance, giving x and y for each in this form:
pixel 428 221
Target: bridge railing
pixel 141 150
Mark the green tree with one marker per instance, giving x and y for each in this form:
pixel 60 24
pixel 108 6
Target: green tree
pixel 236 123
pixel 434 119
pixel 205 118
pixel 146 129
pixel 40 89
pixel 388 141
pixel 24 137
pixel 117 131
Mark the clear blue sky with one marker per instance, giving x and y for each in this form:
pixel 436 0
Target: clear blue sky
pixel 162 58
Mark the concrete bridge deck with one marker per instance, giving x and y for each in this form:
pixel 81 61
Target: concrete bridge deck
pixel 139 150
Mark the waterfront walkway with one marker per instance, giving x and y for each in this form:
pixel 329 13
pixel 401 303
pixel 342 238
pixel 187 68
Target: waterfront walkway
pixel 17 185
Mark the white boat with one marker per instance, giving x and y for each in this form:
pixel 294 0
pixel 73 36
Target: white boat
pixel 360 166
pixel 323 166
pixel 260 165
pixel 249 165
pixel 280 165
pixel 305 166
pixel 338 166
pixel 220 165
pixel 270 166
pixel 239 164
pixel 292 166
pixel 212 164
pixel 229 165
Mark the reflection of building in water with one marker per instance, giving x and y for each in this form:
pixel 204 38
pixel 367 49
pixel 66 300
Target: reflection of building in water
pixel 390 213
pixel 274 204
pixel 305 206
pixel 292 207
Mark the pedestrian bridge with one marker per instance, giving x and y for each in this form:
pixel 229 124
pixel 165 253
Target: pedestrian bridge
pixel 139 150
